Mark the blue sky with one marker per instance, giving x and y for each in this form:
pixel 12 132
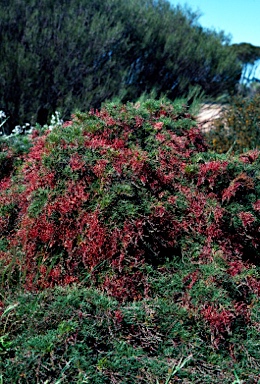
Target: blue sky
pixel 239 18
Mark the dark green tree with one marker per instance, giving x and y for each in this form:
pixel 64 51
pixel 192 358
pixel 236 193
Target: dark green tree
pixel 249 55
pixel 69 55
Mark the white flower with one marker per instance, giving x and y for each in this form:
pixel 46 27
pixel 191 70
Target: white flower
pixel 55 121
pixel 17 130
pixel 2 115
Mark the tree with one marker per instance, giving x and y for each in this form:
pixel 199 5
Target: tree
pixel 249 55
pixel 69 55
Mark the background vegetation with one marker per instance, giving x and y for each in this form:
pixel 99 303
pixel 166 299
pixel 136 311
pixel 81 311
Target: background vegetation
pixel 238 129
pixel 75 54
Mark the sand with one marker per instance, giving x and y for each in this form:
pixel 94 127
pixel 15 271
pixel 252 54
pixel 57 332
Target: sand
pixel 208 113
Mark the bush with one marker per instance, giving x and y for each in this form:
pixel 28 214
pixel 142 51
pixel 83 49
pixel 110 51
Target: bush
pixel 239 127
pixel 77 335
pixel 128 185
pixel 127 205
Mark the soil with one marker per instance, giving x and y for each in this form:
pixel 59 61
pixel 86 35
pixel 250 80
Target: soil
pixel 208 113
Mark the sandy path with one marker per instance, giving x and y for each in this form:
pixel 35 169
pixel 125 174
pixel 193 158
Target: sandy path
pixel 207 114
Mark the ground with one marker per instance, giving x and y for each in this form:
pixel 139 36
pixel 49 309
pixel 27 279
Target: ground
pixel 208 113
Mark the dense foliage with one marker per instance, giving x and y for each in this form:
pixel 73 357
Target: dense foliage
pixel 158 237
pixel 249 56
pixel 78 335
pixel 76 54
pixel 238 129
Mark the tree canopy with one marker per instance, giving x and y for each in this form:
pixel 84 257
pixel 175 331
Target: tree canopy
pixel 66 54
pixel 249 55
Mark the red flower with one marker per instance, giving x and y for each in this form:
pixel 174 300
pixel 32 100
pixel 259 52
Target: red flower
pixel 256 205
pixel 1 307
pixel 118 316
pixel 76 162
pixel 250 157
pixel 230 191
pixel 5 183
pixel 172 199
pixel 210 171
pixel 192 278
pixel 69 279
pixel 67 124
pixel 138 121
pixel 160 137
pixel 99 167
pixel 235 267
pixel 158 126
pixel 55 273
pixel 247 218
pixel 219 321
pixel 254 284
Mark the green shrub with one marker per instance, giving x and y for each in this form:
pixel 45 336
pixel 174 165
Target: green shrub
pixel 79 335
pixel 159 239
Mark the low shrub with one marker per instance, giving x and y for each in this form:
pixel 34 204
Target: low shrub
pixel 79 335
pixel 238 129
pixel 128 201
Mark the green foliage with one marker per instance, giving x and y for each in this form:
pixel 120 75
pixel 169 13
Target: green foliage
pixel 238 130
pixel 76 54
pixel 246 52
pixel 248 55
pixel 80 335
pixel 40 198
pixel 129 253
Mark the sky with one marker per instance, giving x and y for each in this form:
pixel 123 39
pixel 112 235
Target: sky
pixel 239 18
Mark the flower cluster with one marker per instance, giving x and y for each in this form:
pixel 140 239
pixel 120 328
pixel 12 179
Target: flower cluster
pixel 123 188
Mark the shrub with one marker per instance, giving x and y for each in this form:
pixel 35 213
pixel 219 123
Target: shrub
pixel 78 335
pixel 239 127
pixel 128 201
pixel 125 186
